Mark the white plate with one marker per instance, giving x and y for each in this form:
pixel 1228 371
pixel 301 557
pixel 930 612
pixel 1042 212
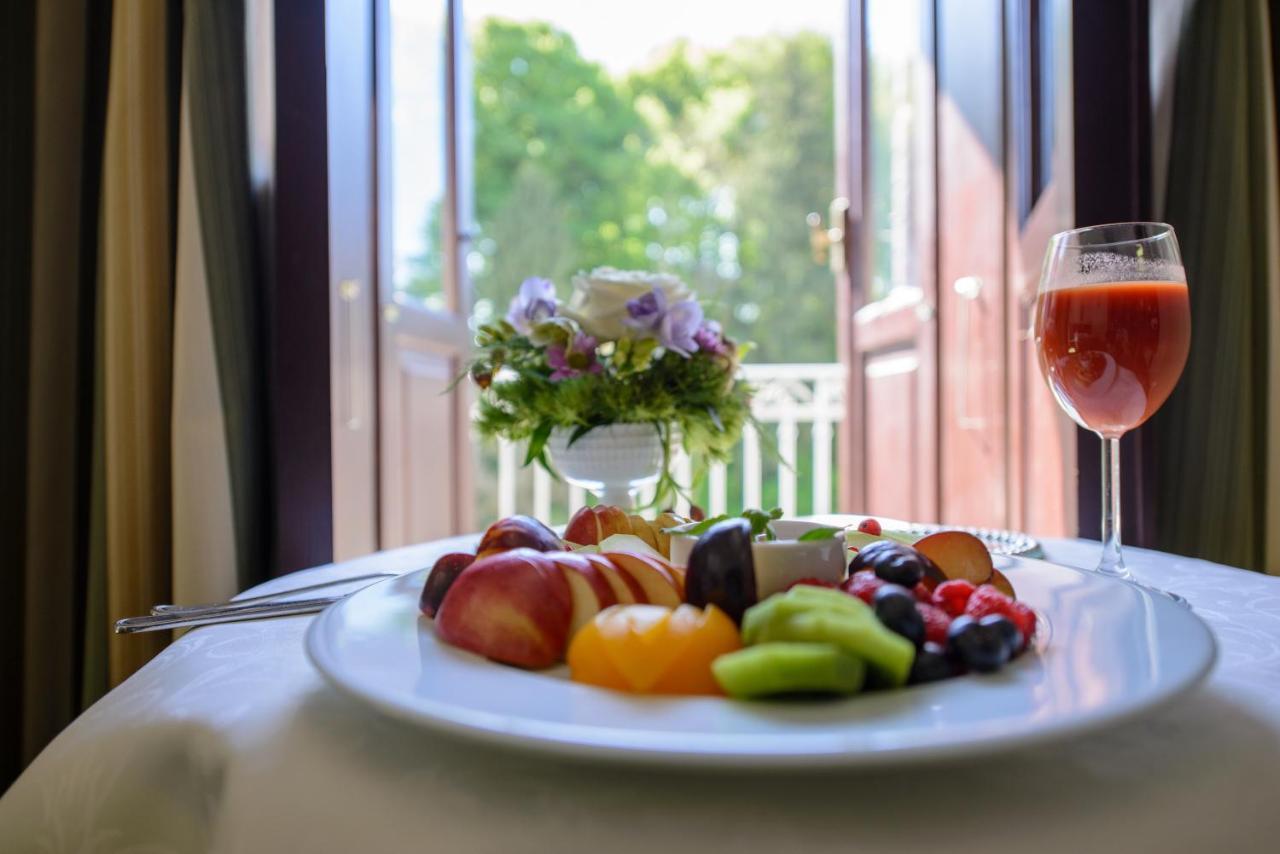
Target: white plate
pixel 1106 651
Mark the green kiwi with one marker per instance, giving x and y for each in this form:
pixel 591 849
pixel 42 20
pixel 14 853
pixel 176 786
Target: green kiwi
pixel 788 668
pixel 809 614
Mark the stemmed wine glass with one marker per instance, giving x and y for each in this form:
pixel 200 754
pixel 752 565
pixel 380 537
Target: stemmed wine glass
pixel 1113 327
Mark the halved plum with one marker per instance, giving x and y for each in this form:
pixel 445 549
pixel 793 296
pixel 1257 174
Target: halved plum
pixel 722 569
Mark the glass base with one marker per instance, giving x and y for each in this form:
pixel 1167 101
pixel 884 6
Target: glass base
pixel 1122 573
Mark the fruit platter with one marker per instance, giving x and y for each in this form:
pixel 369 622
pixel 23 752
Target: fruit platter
pixel 824 614
pixel 754 640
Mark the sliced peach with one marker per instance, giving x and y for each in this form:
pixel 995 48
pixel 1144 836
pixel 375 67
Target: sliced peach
pixel 711 634
pixel 637 643
pixel 625 588
pixel 958 555
pixel 589 664
pixel 660 587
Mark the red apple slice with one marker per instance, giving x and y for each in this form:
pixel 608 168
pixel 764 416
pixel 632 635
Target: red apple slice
pixel 627 590
pixel 613 520
pixel 641 528
pixel 659 585
pixel 583 527
pixel 591 591
pixel 958 555
pixel 514 607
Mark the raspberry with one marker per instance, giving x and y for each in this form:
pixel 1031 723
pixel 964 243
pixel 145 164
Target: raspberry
pixel 923 593
pixel 988 600
pixel 812 582
pixel 952 596
pixel 870 526
pixel 864 583
pixel 936 623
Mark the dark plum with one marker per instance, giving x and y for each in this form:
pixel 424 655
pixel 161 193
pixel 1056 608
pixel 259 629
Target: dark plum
pixel 722 571
pixel 896 563
pixel 977 647
pixel 895 607
pixel 441 578
pixel 931 665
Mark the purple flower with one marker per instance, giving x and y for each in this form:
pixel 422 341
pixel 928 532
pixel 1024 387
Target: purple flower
pixel 646 312
pixel 709 339
pixel 532 304
pixel 678 326
pixel 575 360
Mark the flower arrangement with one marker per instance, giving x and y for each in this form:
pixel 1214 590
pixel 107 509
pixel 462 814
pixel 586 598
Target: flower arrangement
pixel 628 347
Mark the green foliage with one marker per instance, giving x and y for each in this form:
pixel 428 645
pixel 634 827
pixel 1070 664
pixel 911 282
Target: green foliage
pixel 696 394
pixel 521 400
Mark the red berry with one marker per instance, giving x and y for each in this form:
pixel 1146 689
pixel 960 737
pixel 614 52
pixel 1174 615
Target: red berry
pixel 952 596
pixel 812 582
pixel 936 623
pixel 923 593
pixel 988 600
pixel 870 526
pixel 864 583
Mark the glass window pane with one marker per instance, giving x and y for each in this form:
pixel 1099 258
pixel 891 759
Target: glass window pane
pixel 417 88
pixel 895 39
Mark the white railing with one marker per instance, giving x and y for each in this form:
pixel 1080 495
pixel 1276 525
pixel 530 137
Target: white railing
pixel 788 399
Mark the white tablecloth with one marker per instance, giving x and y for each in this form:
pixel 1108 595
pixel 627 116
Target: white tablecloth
pixel 230 742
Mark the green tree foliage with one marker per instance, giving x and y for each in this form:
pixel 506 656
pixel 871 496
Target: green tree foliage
pixel 703 164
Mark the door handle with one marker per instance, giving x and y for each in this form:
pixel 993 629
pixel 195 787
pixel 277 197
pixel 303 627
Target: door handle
pixel 827 244
pixel 968 289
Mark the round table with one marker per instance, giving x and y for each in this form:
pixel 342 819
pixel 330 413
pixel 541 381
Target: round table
pixel 229 741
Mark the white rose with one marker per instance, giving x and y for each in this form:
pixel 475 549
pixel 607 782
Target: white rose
pixel 599 301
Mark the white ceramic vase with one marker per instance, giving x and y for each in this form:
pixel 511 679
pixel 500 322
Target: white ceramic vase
pixel 613 462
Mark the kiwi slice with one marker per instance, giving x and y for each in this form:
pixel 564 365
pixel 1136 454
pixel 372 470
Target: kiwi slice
pixel 817 615
pixel 888 655
pixel 788 668
pixel 799 600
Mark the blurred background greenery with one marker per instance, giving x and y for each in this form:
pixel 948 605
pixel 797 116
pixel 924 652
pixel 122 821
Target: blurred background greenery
pixel 702 163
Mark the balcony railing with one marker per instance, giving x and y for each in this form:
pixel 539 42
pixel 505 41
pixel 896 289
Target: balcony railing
pixel 799 404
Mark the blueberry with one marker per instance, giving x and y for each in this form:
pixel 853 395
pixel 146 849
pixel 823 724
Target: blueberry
pixel 1008 631
pixel 895 607
pixel 977 647
pixel 931 665
pixel 895 563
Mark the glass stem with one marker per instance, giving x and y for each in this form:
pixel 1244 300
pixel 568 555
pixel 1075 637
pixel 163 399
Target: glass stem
pixel 1112 560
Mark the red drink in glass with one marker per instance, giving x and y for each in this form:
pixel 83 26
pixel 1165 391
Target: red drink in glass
pixel 1112 352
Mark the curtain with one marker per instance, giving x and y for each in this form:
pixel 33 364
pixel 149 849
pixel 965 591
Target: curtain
pixel 1219 432
pixel 17 71
pixel 132 354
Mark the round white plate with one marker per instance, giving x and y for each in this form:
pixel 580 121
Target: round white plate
pixel 1106 651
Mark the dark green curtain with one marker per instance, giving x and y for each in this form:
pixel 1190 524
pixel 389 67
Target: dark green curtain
pixel 1221 188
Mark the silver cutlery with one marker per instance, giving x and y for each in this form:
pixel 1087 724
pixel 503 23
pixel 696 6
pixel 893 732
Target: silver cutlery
pixel 251 608
pixel 266 597
pixel 227 614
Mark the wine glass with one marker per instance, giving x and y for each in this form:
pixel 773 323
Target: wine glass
pixel 1113 327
